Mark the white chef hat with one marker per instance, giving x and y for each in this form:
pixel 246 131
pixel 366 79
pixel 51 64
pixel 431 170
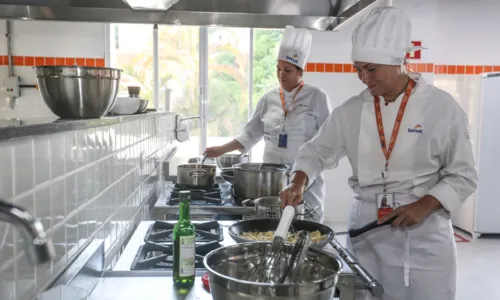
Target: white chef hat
pixel 295 46
pixel 383 37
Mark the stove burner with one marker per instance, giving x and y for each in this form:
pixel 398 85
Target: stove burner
pixel 210 195
pixel 160 256
pixel 161 232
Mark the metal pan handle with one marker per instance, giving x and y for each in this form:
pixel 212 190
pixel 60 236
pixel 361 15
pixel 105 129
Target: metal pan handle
pixel 369 226
pixel 199 173
pixel 372 285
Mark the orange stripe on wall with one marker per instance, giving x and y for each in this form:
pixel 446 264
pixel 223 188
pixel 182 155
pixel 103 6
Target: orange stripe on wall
pixel 30 61
pixel 313 67
pixel 415 67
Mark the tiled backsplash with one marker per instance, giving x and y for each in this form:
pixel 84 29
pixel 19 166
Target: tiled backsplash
pixel 81 185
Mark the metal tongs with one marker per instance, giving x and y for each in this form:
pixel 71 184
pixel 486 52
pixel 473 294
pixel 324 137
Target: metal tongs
pixel 276 257
pixel 297 258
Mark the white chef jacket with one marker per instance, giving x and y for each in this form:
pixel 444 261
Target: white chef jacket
pixel 432 155
pixel 309 111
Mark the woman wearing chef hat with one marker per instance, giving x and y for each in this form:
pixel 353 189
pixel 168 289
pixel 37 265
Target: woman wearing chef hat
pixel 406 141
pixel 287 116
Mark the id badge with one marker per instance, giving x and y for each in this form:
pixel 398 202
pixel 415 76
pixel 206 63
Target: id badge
pixel 385 204
pixel 282 140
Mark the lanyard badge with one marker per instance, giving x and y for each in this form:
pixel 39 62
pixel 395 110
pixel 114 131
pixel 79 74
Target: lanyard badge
pixel 385 201
pixel 283 135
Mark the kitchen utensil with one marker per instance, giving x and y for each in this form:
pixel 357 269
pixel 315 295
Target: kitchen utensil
pixel 270 208
pixel 372 285
pixel 264 225
pixel 190 175
pixel 229 268
pixel 228 160
pixel 202 160
pixel 78 92
pixel 254 180
pixel 273 267
pixel 143 105
pixel 134 91
pixel 126 106
pixel 297 258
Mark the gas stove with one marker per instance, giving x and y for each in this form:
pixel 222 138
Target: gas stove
pixel 157 252
pixel 210 195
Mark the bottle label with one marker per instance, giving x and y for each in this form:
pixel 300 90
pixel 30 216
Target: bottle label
pixel 186 259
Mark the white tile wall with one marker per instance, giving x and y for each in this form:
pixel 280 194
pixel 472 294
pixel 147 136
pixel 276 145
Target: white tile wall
pixel 80 185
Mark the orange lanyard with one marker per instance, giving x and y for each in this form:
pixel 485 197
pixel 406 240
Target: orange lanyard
pixel 285 111
pixel 397 123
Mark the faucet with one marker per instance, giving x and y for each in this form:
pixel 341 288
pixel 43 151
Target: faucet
pixel 38 247
pixel 190 118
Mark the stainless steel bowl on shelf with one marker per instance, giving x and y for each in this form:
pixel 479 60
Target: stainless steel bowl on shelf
pixel 78 92
pixel 229 268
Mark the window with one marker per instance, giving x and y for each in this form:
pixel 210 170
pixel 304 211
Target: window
pixel 191 57
pixel 132 51
pixel 228 83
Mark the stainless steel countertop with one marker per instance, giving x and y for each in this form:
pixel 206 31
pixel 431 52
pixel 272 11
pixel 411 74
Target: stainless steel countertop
pixel 121 283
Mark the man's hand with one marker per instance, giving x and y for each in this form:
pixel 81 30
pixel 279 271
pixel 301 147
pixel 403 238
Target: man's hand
pixel 292 195
pixel 414 213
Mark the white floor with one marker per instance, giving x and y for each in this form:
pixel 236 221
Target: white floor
pixel 478 266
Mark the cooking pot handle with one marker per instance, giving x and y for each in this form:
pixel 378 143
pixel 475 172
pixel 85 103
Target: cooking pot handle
pixel 200 173
pixel 289 172
pixel 244 203
pixel 227 174
pixel 372 285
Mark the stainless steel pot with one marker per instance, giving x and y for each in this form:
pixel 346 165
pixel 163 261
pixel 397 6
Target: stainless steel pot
pixel 255 180
pixel 229 267
pixel 228 160
pixel 269 208
pixel 78 92
pixel 196 176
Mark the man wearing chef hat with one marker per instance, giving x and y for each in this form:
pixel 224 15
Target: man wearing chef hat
pixel 287 116
pixel 406 141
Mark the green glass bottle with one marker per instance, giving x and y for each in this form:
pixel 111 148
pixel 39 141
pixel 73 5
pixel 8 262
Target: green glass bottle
pixel 184 244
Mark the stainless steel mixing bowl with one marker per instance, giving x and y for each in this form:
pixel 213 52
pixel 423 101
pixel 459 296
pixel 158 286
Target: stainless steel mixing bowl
pixel 229 267
pixel 78 92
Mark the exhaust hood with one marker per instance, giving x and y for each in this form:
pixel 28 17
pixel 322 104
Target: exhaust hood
pixel 312 14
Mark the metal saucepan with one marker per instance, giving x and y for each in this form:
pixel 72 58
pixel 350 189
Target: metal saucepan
pixel 195 175
pixel 269 208
pixel 255 180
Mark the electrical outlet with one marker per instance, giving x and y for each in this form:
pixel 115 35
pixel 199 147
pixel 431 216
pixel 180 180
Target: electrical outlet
pixel 11 86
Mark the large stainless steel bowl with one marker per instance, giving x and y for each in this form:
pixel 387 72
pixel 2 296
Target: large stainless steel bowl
pixel 229 267
pixel 78 92
pixel 228 160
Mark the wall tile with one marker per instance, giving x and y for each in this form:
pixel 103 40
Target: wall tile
pixel 58 202
pixel 42 159
pixel 43 209
pixel 63 151
pixel 91 145
pixel 81 136
pixel 71 147
pixel 71 193
pixel 23 162
pixel 6 179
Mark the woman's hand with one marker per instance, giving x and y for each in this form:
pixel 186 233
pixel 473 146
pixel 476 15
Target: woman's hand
pixel 214 151
pixel 292 195
pixel 414 213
